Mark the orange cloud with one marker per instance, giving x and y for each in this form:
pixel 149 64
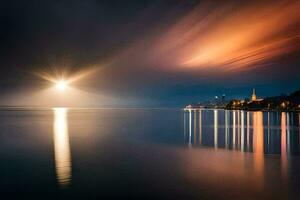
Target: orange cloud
pixel 232 36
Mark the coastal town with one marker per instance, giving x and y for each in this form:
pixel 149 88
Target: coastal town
pixel 289 102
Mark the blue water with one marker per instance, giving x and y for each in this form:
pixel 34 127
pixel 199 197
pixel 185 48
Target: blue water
pixel 149 153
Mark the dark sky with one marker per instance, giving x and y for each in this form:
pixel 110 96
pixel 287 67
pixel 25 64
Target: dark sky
pixel 150 53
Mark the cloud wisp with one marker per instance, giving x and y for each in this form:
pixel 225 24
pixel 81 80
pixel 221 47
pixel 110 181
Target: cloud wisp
pixel 230 37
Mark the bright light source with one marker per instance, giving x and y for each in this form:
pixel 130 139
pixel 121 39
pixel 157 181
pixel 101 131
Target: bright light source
pixel 61 85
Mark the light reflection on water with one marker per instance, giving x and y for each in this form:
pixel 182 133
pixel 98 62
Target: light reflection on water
pixel 258 132
pixel 142 153
pixel 283 145
pixel 62 153
pixel 258 145
pixel 265 133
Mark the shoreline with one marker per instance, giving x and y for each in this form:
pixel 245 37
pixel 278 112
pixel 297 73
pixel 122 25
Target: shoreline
pixel 251 110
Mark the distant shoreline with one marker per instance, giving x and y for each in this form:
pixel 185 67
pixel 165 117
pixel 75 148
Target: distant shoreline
pixel 262 110
pixel 283 103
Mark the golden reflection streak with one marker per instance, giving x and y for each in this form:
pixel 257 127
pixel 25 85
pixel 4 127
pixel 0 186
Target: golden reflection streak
pixel 258 146
pixel 283 146
pixel 62 153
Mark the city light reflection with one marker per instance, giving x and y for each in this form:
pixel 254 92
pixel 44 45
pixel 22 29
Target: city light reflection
pixel 233 128
pixel 190 128
pixel 200 127
pixel 248 131
pixel 243 131
pixel 258 145
pixel 195 127
pixel 216 128
pixel 283 145
pixel 226 130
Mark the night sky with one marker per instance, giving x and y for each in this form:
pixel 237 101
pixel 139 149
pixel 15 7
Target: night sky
pixel 148 53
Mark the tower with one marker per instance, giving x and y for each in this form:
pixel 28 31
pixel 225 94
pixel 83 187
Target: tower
pixel 253 97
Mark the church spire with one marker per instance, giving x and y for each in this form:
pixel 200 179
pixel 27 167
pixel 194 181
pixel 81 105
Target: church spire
pixel 253 98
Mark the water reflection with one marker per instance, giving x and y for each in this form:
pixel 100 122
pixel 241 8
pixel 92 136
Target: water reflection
pixel 259 132
pixel 233 129
pixel 283 145
pixel 258 145
pixel 200 127
pixel 62 153
pixel 216 128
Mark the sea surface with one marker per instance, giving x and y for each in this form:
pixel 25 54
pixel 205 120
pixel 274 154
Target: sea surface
pixel 63 153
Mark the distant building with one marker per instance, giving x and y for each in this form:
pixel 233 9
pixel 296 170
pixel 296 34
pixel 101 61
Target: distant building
pixel 253 96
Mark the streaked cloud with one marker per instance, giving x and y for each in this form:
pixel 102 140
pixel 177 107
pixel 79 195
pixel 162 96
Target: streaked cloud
pixel 231 36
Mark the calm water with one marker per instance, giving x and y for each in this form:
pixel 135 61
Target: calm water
pixel 170 154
